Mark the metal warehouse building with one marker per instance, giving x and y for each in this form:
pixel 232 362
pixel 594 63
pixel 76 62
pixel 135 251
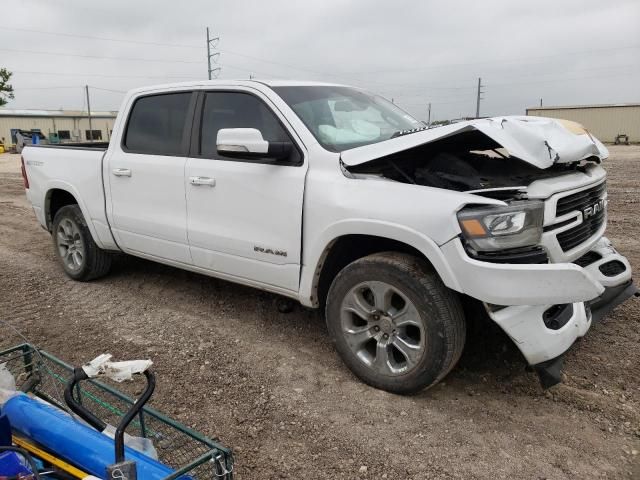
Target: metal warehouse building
pixel 606 122
pixel 69 125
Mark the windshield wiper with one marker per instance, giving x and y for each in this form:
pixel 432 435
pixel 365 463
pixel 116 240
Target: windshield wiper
pixel 401 133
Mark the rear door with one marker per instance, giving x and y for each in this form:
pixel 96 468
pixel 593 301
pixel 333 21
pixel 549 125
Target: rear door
pixel 145 175
pixel 244 215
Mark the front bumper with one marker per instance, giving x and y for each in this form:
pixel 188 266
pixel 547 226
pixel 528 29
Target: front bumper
pixel 522 299
pixel 520 284
pixel 550 371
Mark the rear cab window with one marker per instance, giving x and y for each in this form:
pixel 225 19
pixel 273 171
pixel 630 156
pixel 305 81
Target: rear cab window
pixel 157 124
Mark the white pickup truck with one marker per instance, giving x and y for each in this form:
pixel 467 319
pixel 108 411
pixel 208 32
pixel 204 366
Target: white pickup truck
pixel 337 198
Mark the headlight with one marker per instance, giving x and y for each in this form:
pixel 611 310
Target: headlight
pixel 496 228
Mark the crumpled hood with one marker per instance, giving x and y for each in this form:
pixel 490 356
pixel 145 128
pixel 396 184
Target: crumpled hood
pixel 538 141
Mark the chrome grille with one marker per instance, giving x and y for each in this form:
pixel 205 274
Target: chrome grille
pixel 578 202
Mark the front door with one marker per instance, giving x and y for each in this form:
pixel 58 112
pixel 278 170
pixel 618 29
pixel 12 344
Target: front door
pixel 145 175
pixel 244 216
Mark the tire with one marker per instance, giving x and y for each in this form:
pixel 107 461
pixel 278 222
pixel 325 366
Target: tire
pixel 73 244
pixel 401 297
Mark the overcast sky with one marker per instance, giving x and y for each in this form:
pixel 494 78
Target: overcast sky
pixel 565 52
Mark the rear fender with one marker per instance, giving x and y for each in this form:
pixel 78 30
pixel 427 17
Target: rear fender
pixel 67 187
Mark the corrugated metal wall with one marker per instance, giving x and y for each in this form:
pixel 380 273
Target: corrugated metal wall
pixel 604 122
pixel 53 124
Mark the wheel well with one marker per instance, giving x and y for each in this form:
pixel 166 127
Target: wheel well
pixel 347 249
pixel 56 199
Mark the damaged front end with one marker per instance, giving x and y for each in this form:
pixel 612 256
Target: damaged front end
pixel 539 262
pixel 495 157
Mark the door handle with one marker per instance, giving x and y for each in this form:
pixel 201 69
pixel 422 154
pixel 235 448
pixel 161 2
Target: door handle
pixel 122 172
pixel 202 181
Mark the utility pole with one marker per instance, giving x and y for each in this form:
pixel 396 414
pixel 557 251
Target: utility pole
pixel 212 43
pixel 429 117
pixel 478 97
pixel 86 89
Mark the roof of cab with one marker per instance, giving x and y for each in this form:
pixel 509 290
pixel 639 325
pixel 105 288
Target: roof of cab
pixel 298 83
pixel 247 83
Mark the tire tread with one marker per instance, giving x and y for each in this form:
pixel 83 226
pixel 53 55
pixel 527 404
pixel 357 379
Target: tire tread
pixel 98 260
pixel 445 300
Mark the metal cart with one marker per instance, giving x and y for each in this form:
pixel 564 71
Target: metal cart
pixel 186 452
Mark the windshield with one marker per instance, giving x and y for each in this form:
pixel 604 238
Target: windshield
pixel 342 118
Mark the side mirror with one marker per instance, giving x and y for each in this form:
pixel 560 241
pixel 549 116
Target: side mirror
pixel 248 143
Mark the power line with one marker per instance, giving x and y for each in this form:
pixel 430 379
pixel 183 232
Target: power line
pixel 516 84
pixel 60 54
pixel 92 37
pixel 626 74
pixel 85 88
pixel 214 55
pixel 466 100
pixel 440 96
pixel 345 75
pixel 238 54
pixel 105 75
pixel 131 59
pixel 108 89
pixel 123 91
pixel 229 52
pixel 249 70
pixel 432 103
pixel 419 95
pixel 46 88
pixel 287 65
pixel 420 88
pixel 505 60
pixel 608 69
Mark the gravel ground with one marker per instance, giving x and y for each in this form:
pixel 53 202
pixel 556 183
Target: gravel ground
pixel 270 385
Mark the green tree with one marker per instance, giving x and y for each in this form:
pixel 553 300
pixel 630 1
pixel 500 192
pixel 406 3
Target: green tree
pixel 6 90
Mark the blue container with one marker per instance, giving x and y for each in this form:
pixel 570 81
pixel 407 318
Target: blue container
pixel 72 441
pixel 13 464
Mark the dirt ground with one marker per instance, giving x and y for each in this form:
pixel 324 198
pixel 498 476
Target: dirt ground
pixel 270 385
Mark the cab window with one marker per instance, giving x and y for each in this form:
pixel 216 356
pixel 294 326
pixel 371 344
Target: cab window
pixel 239 110
pixel 156 124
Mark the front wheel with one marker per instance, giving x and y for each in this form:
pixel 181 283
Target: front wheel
pixel 394 323
pixel 78 254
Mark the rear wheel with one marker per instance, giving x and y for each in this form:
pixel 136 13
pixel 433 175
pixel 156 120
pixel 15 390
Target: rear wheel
pixel 394 323
pixel 78 254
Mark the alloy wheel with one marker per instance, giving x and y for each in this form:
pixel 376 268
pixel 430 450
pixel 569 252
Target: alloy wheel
pixel 70 245
pixel 383 328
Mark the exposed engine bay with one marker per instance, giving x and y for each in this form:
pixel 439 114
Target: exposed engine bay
pixel 469 161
